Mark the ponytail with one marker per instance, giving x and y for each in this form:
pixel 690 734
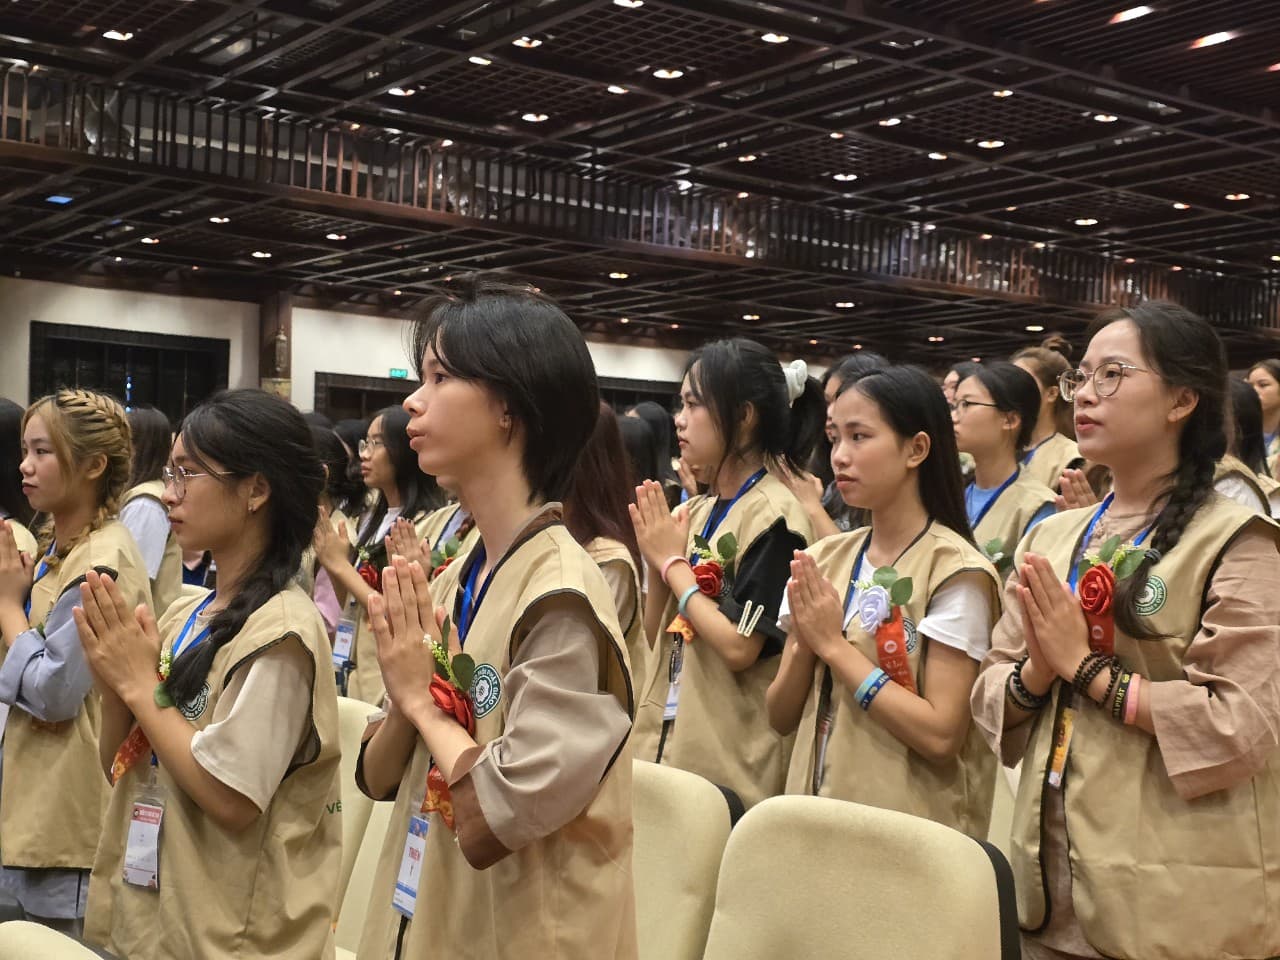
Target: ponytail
pixel 807 418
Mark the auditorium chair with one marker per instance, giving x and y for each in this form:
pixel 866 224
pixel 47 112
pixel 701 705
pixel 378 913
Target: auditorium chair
pixel 353 717
pixel 24 940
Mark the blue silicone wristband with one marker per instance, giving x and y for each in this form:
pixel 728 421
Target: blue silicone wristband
pixel 870 687
pixel 685 598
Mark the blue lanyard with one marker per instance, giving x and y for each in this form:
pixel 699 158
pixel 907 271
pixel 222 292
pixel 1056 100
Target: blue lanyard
pixel 853 574
pixel 470 600
pixel 721 510
pixel 40 572
pixel 1026 457
pixel 180 646
pixel 1088 533
pixel 986 508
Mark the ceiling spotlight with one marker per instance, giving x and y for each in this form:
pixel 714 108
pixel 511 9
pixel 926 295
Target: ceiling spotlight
pixel 618 275
pixel 628 4
pixel 1002 93
pixel 936 339
pixel 261 255
pixel 664 73
pixel 936 155
pixel 675 326
pixel 748 158
pixel 991 144
pixel 890 121
pixel 1175 268
pixel 812 342
pixel 1275 257
pixel 1086 222
pixel 931 226
pixel 528 43
pixel 1039 244
pixel 1181 206
pixel 845 177
pixel 836 135
pixel 61 199
pixel 1213 39
pixel 742 194
pixel 1130 260
pixel 446 142
pixel 857 346
pixel 1034 328
pixel 1105 117
pixel 117 35
pixel 775 38
pixel 624 319
pixel 1274 68
pixel 1133 13
pixel 986 236
pixel 1010 209
pixel 335 236
pixel 395 293
pixel 219 219
pixel 119 259
pixel 615 89
pixel 976 359
pixel 751 316
pixel 533 117
pixel 479 61
pixel 149 240
pixel 845 304
pixel 402 91
pixel 194 267
pixel 1237 196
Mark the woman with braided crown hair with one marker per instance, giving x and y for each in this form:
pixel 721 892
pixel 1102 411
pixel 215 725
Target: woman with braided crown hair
pixel 75 468
pixel 1135 673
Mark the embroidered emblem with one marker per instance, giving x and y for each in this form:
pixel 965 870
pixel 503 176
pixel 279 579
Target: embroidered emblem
pixel 194 708
pixel 1151 599
pixel 909 630
pixel 486 689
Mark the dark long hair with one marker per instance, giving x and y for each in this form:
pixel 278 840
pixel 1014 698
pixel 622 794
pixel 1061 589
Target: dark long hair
pixel 1185 352
pixel 596 504
pixel 848 367
pixel 12 501
pixel 1049 361
pixel 660 425
pixel 911 403
pixel 728 375
pixel 248 432
pixel 152 440
pixel 1245 428
pixel 419 492
pixel 642 448
pixel 1012 390
pixel 346 493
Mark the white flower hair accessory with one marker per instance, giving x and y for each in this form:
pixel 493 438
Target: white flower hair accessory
pixel 796 374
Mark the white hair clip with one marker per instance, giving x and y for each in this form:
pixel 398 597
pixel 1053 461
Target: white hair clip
pixel 796 374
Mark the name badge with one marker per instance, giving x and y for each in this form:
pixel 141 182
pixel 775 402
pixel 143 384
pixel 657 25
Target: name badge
pixel 142 848
pixel 1061 745
pixel 410 875
pixel 673 700
pixel 344 637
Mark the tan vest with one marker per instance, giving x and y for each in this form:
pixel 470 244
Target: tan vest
pixel 54 792
pixel 266 891
pixel 1009 515
pixel 1053 456
pixel 22 536
pixel 569 895
pixel 1262 487
pixel 606 552
pixel 721 730
pixel 866 763
pixel 1152 875
pixel 167 585
pixel 365 682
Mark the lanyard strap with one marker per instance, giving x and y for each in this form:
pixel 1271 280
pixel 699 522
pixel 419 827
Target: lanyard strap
pixel 180 646
pixel 470 600
pixel 721 510
pixel 862 553
pixel 1026 457
pixel 986 507
pixel 1074 573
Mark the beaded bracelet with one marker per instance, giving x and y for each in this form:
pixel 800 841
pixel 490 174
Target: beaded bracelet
pixel 1092 665
pixel 1116 672
pixel 1019 693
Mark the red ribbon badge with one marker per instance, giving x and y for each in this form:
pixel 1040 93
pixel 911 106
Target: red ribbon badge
pixel 891 651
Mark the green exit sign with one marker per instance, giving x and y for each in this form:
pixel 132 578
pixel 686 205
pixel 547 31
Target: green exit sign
pixel 399 373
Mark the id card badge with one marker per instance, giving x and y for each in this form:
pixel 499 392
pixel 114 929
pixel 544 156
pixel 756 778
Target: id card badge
pixel 673 700
pixel 674 670
pixel 142 846
pixel 410 876
pixel 1061 746
pixel 344 638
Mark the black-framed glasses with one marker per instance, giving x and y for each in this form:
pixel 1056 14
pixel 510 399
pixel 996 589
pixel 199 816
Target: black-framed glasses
pixel 177 477
pixel 1106 379
pixel 366 447
pixel 960 407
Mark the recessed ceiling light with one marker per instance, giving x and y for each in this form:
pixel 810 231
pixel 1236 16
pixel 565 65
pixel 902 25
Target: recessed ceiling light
pixel 1086 222
pixel 1105 117
pixel 748 158
pixel 1133 13
pixel 986 236
pixel 402 91
pixel 335 236
pixel 812 342
pixel 937 339
pixel 1002 93
pixel 836 135
pixel 1130 260
pixel 533 117
pixel 1010 209
pixel 479 61
pixel 446 142
pixel 857 346
pixel 937 155
pixel 1213 39
pixel 618 275
pixel 751 316
pixel 663 73
pixel 149 240
pixel 1034 328
pixel 1276 257
pixel 61 199
pixel 1274 68
pixel 117 35
pixel 219 219
pixel 991 144
pixel 890 121
pixel 931 226
pixel 194 267
pixel 1181 206
pixel 261 255
pixel 395 293
pixel 845 177
pixel 615 89
pixel 119 259
pixel 845 304
pixel 742 194
pixel 629 4
pixel 976 359
pixel 1237 196
pixel 527 42
pixel 775 38
pixel 675 326
pixel 1039 245
pixel 1175 268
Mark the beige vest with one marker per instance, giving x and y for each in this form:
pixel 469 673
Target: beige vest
pixel 606 552
pixel 1152 875
pixel 1054 455
pixel 863 761
pixel 54 791
pixel 569 895
pixel 264 892
pixel 365 681
pixel 721 730
pixel 167 585
pixel 1009 515
pixel 1262 487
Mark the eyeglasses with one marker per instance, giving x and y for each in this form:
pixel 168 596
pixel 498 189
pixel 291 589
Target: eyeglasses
pixel 1106 379
pixel 960 407
pixel 366 447
pixel 177 477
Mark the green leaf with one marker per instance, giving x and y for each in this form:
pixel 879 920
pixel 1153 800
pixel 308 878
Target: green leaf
pixel 445 627
pixel 701 543
pixel 162 698
pixel 1128 566
pixel 994 548
pixel 727 546
pixel 884 577
pixel 464 669
pixel 437 558
pixel 900 592
pixel 451 548
pixel 1082 568
pixel 1109 549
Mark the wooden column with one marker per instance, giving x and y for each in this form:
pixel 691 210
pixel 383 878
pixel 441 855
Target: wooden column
pixel 275 329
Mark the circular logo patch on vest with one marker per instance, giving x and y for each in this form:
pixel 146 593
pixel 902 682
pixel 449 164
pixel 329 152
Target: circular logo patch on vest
pixel 194 708
pixel 909 631
pixel 1152 597
pixel 486 689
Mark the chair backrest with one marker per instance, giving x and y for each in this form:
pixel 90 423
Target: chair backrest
pixel 353 716
pixel 356 902
pixel 24 940
pixel 803 873
pixel 681 825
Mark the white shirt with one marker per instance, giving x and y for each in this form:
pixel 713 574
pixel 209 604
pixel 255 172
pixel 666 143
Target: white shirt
pixel 148 521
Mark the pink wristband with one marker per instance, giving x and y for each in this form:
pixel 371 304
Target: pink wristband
pixel 669 562
pixel 1131 700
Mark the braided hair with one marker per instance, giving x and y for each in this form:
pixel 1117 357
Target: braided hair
pixel 1185 352
pixel 83 424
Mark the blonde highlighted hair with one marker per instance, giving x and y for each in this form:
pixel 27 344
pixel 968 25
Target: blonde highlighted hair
pixel 83 424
